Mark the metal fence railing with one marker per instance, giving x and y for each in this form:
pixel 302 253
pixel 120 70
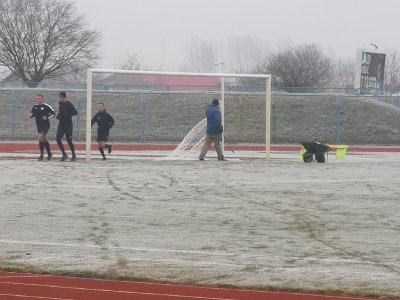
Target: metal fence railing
pixel 153 113
pixel 390 92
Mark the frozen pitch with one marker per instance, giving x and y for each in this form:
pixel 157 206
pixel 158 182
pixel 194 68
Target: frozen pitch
pixel 248 222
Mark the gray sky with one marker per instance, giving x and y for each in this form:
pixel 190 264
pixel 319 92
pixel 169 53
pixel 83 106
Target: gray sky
pixel 159 31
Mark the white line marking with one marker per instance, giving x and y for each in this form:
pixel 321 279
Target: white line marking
pixel 176 251
pixel 24 276
pixel 241 183
pixel 202 287
pixel 111 291
pixel 34 297
pixel 267 293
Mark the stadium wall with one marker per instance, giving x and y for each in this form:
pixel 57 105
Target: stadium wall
pixel 168 116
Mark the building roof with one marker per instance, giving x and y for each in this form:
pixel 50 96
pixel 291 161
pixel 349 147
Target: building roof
pixel 170 82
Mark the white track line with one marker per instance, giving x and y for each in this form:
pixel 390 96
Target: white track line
pixel 267 293
pixel 32 297
pixel 193 252
pixel 111 291
pixel 24 276
pixel 241 183
pixel 203 287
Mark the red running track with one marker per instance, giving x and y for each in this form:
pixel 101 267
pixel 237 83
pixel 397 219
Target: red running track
pixel 17 286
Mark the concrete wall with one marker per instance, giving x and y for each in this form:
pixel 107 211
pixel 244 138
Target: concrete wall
pixel 169 116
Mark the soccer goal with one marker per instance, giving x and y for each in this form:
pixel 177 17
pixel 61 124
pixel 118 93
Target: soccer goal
pixel 167 91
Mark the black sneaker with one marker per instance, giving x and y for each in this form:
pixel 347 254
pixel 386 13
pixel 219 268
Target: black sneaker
pixel 40 158
pixel 200 158
pixel 104 158
pixel 109 148
pixel 221 158
pixel 73 158
pixel 64 157
pixel 49 156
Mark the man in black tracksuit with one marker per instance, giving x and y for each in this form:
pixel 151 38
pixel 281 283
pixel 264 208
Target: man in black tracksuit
pixel 66 112
pixel 104 124
pixel 42 113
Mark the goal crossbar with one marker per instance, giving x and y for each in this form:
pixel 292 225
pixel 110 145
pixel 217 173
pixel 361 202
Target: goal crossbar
pixel 268 104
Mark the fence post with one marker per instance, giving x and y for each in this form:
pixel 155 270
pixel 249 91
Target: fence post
pixel 273 124
pixel 13 113
pixel 142 117
pixel 337 119
pixel 78 117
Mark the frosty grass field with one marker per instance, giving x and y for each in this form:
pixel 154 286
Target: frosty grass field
pixel 245 222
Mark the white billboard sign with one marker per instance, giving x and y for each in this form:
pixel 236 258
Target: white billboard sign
pixel 369 71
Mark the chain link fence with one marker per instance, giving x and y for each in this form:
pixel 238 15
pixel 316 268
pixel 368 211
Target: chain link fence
pixel 154 115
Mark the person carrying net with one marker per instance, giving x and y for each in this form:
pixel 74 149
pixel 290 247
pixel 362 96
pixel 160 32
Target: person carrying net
pixel 214 130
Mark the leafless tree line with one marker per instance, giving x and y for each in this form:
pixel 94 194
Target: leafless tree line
pixel 304 65
pixel 44 38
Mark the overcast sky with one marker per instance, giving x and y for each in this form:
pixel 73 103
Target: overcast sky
pixel 159 31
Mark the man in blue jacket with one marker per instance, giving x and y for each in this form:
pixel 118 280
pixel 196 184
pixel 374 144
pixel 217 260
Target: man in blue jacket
pixel 214 130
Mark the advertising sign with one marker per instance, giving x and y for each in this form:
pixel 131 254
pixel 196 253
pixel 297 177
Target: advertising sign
pixel 369 72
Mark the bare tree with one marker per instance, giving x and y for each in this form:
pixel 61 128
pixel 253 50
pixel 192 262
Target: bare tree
pixel 201 57
pixel 44 38
pixel 259 67
pixel 343 73
pixel 301 66
pixel 243 53
pixel 239 55
pixel 130 62
pixel 392 72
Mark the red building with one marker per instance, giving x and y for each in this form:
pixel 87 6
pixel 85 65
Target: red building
pixel 163 82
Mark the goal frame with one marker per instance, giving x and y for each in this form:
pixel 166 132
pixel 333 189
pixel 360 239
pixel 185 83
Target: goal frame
pixel 268 99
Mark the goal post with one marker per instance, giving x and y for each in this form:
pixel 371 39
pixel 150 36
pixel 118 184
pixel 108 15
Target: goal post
pixel 222 76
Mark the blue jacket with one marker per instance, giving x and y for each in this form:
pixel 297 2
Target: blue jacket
pixel 214 120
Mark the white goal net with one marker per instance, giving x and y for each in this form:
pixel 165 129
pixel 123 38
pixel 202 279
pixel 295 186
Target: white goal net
pixel 191 145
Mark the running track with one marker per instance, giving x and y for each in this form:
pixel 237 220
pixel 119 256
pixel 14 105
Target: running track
pixel 22 286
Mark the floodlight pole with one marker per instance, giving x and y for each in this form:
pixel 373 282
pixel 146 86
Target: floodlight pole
pixel 371 44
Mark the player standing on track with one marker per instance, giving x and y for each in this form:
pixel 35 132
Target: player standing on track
pixel 66 112
pixel 42 113
pixel 104 123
